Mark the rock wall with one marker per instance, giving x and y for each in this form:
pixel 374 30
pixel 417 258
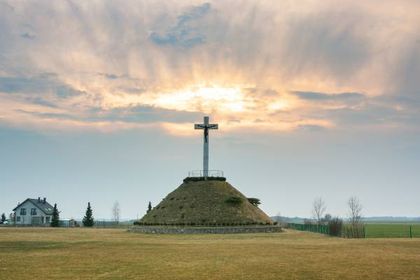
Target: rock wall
pixel 204 230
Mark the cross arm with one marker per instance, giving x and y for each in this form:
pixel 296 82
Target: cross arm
pixel 213 126
pixel 199 126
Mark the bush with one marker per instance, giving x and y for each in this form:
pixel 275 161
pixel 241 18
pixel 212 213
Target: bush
pixel 335 226
pixel 198 179
pixel 254 201
pixel 234 200
pixel 308 222
pixel 354 230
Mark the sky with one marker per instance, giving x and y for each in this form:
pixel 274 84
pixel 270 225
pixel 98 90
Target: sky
pixel 313 99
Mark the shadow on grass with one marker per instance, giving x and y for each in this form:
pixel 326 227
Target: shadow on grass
pixel 13 246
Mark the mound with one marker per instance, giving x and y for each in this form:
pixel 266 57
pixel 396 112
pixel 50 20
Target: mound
pixel 211 202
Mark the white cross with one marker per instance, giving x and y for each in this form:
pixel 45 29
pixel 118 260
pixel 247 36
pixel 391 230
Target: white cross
pixel 206 126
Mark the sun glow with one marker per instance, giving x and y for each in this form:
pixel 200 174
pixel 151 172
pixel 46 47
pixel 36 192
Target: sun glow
pixel 278 105
pixel 203 99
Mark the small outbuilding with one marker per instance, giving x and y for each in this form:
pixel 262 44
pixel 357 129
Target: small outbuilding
pixel 33 212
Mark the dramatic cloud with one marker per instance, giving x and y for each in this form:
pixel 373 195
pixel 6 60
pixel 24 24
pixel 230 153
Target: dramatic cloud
pixel 274 66
pixel 183 34
pixel 317 96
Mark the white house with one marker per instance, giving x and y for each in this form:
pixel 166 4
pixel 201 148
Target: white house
pixel 33 212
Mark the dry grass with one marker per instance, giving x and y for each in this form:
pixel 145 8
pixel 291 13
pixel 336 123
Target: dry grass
pixel 116 254
pixel 203 203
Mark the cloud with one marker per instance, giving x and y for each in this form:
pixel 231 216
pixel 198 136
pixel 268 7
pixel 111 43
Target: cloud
pixel 146 114
pixel 184 33
pixel 318 96
pixel 110 76
pixel 328 42
pixel 408 69
pixel 311 127
pixel 26 35
pixel 42 84
pixel 282 63
pixel 7 6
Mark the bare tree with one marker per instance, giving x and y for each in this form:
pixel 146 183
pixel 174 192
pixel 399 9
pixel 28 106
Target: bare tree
pixel 318 209
pixel 355 210
pixel 279 218
pixel 116 211
pixel 357 229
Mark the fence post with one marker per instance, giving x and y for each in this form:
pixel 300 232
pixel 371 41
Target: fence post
pixel 411 234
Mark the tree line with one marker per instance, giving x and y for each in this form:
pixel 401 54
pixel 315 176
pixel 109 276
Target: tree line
pixel 88 220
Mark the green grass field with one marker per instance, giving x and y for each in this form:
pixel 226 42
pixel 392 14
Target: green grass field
pixel 392 230
pixel 47 253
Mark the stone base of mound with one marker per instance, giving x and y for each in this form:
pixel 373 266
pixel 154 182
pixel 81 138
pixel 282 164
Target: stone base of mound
pixel 204 230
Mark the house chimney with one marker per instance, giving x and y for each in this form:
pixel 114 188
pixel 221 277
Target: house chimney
pixel 39 199
pixel 45 200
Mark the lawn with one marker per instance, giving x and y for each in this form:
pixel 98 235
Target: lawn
pixel 47 253
pixel 392 230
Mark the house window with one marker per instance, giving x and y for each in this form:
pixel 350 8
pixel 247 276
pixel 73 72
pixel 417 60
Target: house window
pixel 22 211
pixel 18 218
pixel 33 211
pixel 47 219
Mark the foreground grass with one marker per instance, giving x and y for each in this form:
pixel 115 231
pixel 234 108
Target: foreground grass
pixel 116 254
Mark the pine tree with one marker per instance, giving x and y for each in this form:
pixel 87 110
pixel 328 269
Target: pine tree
pixel 149 207
pixel 3 218
pixel 55 220
pixel 88 218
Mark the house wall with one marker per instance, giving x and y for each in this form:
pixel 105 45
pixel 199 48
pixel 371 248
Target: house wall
pixel 29 219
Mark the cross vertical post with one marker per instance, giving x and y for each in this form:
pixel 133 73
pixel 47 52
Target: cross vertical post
pixel 206 148
pixel 206 126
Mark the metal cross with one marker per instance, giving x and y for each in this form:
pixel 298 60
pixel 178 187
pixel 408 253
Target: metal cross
pixel 206 126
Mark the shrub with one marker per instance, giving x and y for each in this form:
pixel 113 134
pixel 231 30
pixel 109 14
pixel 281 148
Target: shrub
pixel 308 222
pixel 198 179
pixel 254 201
pixel 234 200
pixel 354 230
pixel 335 226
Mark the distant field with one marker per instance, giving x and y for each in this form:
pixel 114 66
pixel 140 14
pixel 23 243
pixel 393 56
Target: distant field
pixel 392 230
pixel 78 253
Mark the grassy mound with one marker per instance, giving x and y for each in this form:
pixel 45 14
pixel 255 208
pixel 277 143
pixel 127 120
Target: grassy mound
pixel 210 202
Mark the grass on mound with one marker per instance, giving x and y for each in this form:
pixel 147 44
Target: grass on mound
pixel 206 203
pixel 47 253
